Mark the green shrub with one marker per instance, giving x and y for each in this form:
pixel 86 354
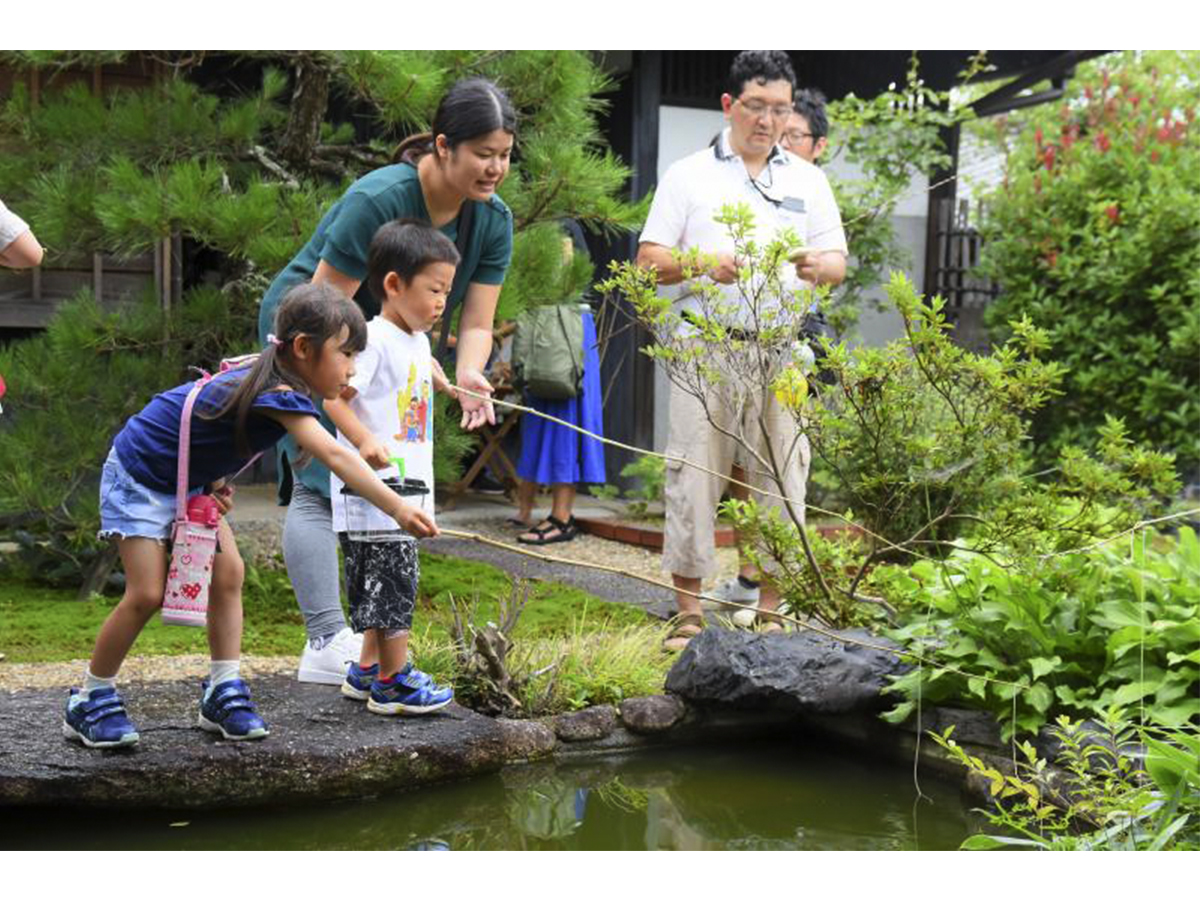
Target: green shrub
pixel 1094 237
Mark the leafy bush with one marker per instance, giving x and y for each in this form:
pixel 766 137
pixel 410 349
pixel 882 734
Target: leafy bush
pixel 1093 237
pixel 1075 634
pixel 1105 801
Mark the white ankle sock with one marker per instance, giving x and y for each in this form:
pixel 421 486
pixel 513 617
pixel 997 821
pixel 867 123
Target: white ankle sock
pixel 93 682
pixel 222 670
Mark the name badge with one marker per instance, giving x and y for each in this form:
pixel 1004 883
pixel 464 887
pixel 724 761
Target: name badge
pixel 793 204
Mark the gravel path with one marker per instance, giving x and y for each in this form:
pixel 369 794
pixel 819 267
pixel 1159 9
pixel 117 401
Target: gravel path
pixel 17 676
pixel 584 548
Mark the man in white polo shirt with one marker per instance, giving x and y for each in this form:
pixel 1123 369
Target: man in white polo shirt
pixel 746 166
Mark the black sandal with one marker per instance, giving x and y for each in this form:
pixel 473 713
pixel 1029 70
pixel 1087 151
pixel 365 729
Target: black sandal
pixel 566 532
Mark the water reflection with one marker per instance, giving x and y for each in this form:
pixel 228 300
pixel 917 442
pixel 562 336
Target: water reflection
pixel 767 796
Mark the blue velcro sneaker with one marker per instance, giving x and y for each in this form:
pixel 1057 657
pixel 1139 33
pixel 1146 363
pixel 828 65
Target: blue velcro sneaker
pixel 357 685
pixel 412 693
pixel 230 712
pixel 98 720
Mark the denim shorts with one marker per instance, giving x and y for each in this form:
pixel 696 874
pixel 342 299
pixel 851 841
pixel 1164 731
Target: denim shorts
pixel 130 509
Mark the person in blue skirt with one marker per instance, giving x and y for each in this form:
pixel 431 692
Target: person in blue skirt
pixel 554 455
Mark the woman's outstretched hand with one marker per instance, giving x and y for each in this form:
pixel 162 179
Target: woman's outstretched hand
pixel 475 411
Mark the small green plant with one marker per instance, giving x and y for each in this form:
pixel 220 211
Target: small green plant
pixel 651 472
pixel 1072 634
pixel 652 479
pixel 1104 800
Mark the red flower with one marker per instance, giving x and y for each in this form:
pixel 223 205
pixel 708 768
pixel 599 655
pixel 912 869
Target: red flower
pixel 1135 99
pixel 1087 92
pixel 1113 213
pixel 1037 136
pixel 1102 142
pixel 1164 134
pixel 1153 156
pixel 1049 157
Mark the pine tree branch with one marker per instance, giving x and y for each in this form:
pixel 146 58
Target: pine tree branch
pixel 259 153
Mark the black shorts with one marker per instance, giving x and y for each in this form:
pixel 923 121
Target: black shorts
pixel 381 582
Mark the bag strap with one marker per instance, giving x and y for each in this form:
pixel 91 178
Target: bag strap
pixel 185 443
pixel 576 365
pixel 185 446
pixel 466 219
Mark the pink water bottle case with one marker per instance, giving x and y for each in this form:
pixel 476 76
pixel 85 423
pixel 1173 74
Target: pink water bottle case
pixel 194 536
pixel 193 550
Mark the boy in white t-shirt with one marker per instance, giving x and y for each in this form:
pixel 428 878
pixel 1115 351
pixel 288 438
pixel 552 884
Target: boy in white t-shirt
pixel 386 412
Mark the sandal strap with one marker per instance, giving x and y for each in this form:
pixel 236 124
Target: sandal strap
pixel 687 625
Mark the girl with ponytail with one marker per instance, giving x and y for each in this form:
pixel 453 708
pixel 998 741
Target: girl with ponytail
pixel 241 412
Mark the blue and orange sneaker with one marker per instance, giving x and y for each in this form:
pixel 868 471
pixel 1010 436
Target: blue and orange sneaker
pixel 357 685
pixel 97 719
pixel 409 693
pixel 230 711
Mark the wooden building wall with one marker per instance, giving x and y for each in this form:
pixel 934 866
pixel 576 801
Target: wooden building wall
pixel 29 298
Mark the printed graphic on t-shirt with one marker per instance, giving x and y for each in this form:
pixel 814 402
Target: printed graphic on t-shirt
pixel 412 407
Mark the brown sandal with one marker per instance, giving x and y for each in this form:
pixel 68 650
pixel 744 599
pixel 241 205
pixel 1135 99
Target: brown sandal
pixel 684 628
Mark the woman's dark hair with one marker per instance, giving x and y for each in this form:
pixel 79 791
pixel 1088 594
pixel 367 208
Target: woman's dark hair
pixel 405 247
pixel 810 103
pixel 471 108
pixel 760 66
pixel 318 311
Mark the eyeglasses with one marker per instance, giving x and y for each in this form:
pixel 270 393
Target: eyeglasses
pixel 758 108
pixel 797 137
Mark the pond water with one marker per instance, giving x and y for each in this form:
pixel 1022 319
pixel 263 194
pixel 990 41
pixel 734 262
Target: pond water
pixel 767 795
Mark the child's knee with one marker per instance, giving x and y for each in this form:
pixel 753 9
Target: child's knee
pixel 229 572
pixel 143 601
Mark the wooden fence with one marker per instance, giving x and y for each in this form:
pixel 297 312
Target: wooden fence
pixel 956 277
pixel 29 298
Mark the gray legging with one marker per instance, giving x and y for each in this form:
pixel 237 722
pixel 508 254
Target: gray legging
pixel 310 552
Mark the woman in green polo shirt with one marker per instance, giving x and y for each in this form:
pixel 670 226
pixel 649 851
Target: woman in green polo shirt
pixel 462 161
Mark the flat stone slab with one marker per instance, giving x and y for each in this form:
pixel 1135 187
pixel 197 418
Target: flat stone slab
pixel 321 746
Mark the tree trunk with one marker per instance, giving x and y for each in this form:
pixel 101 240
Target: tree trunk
pixel 97 573
pixel 309 100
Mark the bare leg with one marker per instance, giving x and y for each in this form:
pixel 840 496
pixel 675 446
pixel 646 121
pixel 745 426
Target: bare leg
pixel 564 501
pixel 687 604
pixel 767 605
pixel 145 563
pixel 526 492
pixel 225 598
pixel 393 653
pixel 370 649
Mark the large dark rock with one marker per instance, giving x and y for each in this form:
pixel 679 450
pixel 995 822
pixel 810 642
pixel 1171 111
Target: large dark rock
pixel 802 672
pixel 321 746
